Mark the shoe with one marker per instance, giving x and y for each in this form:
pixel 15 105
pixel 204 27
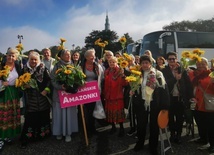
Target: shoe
pixel 59 137
pixel 1 144
pixel 131 132
pixel 121 133
pixel 8 141
pixel 67 138
pixel 204 147
pixel 139 146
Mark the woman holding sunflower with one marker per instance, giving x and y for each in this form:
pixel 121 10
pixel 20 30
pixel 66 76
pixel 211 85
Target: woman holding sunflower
pixel 64 119
pixel 113 95
pixel 37 116
pixel 10 122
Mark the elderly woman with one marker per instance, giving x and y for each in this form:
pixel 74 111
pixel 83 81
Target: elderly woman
pixel 113 94
pixel 9 99
pixel 202 82
pixel 64 119
pixel 93 72
pixel 153 96
pixel 37 117
pixel 75 58
pixel 108 54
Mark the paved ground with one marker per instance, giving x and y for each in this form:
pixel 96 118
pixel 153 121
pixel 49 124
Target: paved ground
pixel 100 144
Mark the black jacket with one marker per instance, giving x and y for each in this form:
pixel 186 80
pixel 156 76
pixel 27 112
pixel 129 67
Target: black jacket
pixel 184 85
pixel 34 100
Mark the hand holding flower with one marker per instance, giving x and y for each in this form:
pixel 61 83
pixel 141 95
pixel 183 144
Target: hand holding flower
pixel 44 92
pixel 177 76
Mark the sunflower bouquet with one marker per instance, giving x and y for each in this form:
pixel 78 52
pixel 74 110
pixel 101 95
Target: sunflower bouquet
pixel 101 44
pixel 4 75
pixel 26 80
pixel 134 79
pixel 123 61
pixel 70 76
pixel 189 58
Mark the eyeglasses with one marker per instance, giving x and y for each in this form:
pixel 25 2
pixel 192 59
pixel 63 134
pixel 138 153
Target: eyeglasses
pixel 171 59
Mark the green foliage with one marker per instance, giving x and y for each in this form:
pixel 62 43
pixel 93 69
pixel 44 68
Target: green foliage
pixel 185 25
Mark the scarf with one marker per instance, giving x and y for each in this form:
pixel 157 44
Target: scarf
pixel 199 75
pixel 152 79
pixel 36 72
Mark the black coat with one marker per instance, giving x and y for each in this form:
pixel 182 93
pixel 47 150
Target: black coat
pixel 36 102
pixel 184 85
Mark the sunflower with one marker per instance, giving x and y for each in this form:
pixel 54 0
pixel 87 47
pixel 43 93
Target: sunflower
pixel 70 66
pixel 198 52
pixel 62 40
pixel 128 57
pixel 102 45
pixel 67 71
pixel 19 47
pixel 196 57
pixel 7 67
pixel 124 64
pixel 97 41
pixel 185 54
pixel 122 40
pixel 58 70
pixel 18 83
pixel 136 72
pixel 26 77
pixel 131 79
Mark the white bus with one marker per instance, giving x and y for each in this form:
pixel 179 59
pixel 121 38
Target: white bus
pixel 162 42
pixel 134 48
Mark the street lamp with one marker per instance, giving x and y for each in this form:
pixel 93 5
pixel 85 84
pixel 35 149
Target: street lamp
pixel 20 37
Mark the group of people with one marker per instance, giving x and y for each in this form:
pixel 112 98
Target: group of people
pixel 163 87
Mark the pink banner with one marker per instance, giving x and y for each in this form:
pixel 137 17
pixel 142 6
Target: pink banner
pixel 86 94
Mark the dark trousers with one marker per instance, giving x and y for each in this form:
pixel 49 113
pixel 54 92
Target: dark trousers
pixel 201 121
pixel 176 116
pixel 89 118
pixel 142 116
pixel 210 127
pixel 132 116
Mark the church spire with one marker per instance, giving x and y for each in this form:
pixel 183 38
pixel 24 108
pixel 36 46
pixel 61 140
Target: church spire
pixel 107 25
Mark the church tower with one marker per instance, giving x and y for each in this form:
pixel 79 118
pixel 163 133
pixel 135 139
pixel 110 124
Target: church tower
pixel 107 25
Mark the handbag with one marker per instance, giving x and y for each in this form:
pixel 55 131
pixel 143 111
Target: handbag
pixel 99 112
pixel 208 99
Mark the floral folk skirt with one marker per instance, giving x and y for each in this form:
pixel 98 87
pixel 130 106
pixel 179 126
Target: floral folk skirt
pixel 36 126
pixel 10 118
pixel 115 111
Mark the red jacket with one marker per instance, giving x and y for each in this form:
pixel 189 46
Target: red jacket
pixel 202 82
pixel 113 84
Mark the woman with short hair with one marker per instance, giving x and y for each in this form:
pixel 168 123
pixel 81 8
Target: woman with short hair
pixel 37 116
pixel 10 117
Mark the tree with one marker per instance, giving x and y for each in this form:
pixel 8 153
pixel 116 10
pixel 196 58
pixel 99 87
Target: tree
pixel 199 25
pixel 110 36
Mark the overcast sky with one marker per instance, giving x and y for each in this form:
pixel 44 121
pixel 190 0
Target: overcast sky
pixel 44 22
